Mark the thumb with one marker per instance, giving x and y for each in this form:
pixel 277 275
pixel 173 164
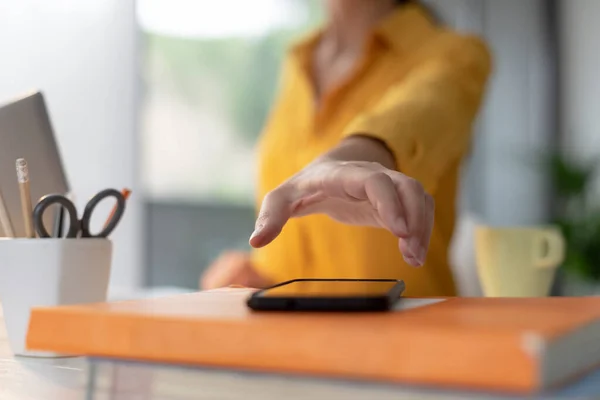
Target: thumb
pixel 275 211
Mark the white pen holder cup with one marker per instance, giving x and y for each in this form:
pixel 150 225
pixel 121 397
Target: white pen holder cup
pixel 48 273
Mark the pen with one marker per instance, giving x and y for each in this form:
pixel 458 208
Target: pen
pixel 5 221
pixel 60 217
pixel 26 208
pixel 125 192
pixel 58 222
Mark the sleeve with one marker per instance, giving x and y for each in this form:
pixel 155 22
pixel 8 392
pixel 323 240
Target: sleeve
pixel 426 119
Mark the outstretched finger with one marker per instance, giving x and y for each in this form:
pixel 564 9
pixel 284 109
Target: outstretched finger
pixel 429 222
pixel 382 194
pixel 275 211
pixel 412 196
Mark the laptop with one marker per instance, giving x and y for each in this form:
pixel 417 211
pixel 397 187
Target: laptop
pixel 26 131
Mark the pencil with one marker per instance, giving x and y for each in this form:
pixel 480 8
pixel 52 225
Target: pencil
pixel 24 190
pixel 125 192
pixel 5 221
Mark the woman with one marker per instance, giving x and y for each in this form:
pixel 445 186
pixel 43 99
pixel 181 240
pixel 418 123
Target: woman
pixel 372 121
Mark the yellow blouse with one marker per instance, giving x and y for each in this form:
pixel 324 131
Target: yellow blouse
pixel 417 88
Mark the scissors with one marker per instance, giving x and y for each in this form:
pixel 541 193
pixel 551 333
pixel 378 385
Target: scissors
pixel 79 227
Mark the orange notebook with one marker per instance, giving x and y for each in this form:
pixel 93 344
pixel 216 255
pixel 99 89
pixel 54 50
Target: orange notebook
pixel 514 345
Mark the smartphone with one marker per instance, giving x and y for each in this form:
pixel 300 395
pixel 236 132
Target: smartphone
pixel 328 295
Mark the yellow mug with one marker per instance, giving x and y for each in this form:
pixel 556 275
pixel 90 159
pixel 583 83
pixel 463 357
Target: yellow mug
pixel 518 262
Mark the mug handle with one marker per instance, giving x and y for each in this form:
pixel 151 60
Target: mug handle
pixel 554 243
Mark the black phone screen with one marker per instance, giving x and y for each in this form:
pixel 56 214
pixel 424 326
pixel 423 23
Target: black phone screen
pixel 331 288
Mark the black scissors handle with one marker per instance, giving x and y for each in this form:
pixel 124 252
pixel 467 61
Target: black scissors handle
pixel 114 219
pixel 47 201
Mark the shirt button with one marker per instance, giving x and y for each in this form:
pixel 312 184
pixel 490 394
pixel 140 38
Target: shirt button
pixel 415 149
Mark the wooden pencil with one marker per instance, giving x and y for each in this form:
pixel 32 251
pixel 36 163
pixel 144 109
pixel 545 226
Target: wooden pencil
pixel 5 222
pixel 24 190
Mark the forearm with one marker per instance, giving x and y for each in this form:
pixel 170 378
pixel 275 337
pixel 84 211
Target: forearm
pixel 361 148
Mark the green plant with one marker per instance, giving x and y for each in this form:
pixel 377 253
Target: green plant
pixel 578 219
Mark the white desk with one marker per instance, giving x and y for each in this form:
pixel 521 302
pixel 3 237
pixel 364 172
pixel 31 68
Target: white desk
pixel 70 379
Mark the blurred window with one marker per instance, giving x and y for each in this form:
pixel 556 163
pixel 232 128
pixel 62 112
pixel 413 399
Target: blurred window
pixel 210 71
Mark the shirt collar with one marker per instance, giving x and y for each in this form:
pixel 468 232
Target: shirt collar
pixel 407 27
pixel 307 42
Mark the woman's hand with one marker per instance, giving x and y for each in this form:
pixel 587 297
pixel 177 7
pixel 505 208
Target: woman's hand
pixel 353 192
pixel 232 268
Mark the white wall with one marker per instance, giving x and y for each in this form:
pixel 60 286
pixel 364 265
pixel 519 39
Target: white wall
pixel 519 121
pixel 580 78
pixel 82 55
